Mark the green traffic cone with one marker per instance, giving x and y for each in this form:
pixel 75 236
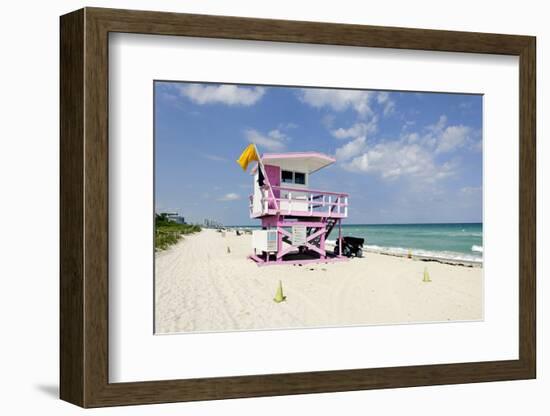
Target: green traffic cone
pixel 279 297
pixel 426 275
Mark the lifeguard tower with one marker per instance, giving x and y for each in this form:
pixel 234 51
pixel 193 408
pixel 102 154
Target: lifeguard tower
pixel 296 220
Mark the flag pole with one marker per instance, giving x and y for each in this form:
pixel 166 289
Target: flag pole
pixel 266 179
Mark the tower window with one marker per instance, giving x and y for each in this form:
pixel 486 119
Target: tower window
pixel 287 177
pixel 297 178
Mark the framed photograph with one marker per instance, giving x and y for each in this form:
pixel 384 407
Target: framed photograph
pixel 254 207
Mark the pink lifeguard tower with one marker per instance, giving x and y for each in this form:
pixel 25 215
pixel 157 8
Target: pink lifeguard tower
pixel 296 220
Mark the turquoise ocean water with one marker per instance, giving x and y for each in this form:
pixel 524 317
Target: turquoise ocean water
pixel 456 241
pixel 452 241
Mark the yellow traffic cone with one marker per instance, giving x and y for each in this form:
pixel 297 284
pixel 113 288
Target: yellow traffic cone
pixel 279 297
pixel 426 275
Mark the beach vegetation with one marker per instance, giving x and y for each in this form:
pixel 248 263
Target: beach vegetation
pixel 168 233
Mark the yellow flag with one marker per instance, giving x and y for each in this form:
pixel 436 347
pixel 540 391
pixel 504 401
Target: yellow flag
pixel 248 155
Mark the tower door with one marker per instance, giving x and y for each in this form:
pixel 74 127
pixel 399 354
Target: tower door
pixel 274 177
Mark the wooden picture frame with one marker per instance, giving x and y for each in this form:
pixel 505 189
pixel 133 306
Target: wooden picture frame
pixel 84 207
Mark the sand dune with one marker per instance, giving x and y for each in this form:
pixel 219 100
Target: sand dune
pixel 199 286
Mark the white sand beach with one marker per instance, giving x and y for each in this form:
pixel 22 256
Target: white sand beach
pixel 200 286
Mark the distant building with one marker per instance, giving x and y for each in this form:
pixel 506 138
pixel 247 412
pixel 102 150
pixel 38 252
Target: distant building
pixel 208 223
pixel 174 217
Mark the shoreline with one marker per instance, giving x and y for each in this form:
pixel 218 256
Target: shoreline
pixel 387 251
pixel 426 258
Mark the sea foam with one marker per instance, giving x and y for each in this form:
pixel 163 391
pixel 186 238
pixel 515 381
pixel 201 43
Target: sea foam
pixel 477 249
pixel 436 255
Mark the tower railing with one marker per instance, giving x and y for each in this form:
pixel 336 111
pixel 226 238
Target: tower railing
pixel 301 202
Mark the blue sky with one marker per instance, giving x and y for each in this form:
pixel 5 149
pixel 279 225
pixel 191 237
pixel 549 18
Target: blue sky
pixel 404 157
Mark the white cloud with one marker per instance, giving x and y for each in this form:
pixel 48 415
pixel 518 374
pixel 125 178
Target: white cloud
pixel 477 145
pixel 338 100
pixel 357 130
pixel 287 126
pixel 328 120
pixel 471 190
pixel 391 160
pixel 411 137
pixel 273 140
pixel 358 164
pixel 466 105
pixel 215 158
pixel 231 196
pixel 222 94
pixel 407 125
pixel 383 98
pixel 443 138
pixel 276 135
pixel 439 126
pixel 351 149
pixel 453 137
pixel 414 155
